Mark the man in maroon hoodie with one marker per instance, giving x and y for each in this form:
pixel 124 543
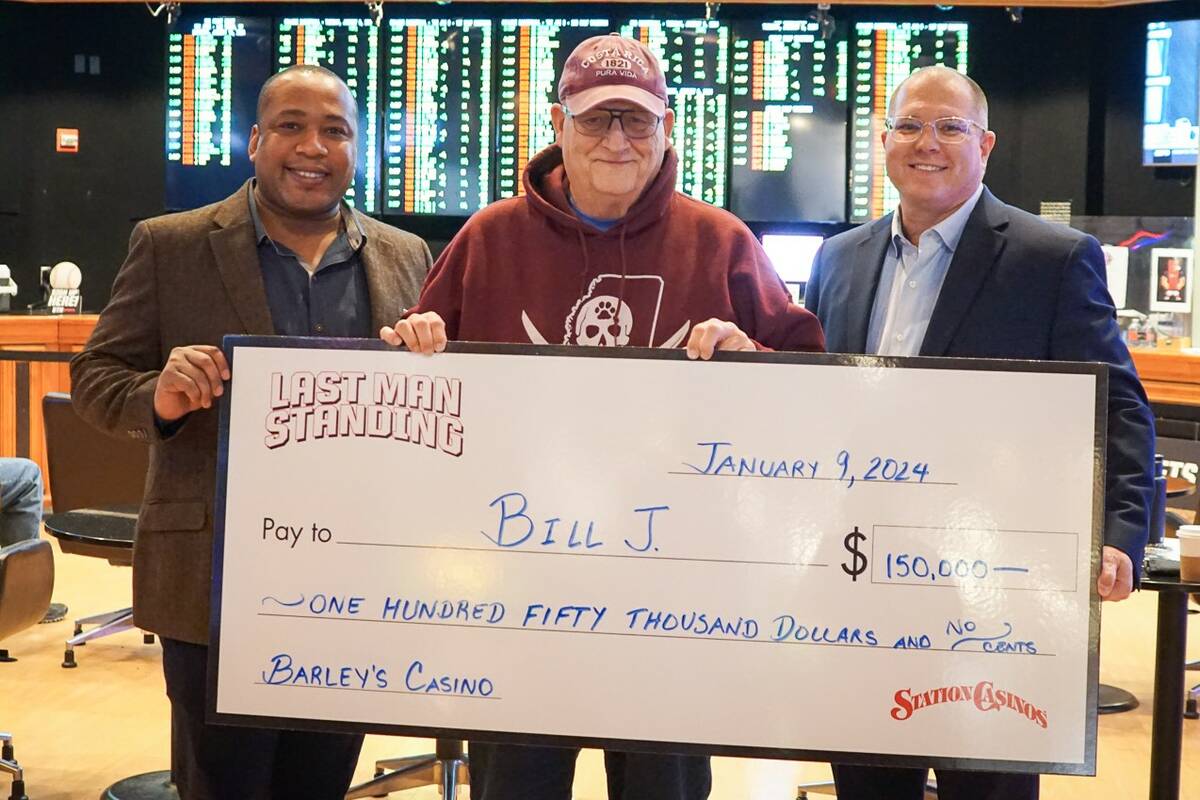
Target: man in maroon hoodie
pixel 602 250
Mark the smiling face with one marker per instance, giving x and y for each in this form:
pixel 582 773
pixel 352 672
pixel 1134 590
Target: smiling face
pixel 933 178
pixel 303 146
pixel 608 173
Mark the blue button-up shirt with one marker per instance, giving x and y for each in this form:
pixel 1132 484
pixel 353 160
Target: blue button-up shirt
pixel 911 281
pixel 331 300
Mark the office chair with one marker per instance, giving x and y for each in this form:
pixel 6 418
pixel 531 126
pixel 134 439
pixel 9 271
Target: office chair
pixel 446 768
pixel 1190 707
pixel 26 581
pixel 1173 523
pixel 88 469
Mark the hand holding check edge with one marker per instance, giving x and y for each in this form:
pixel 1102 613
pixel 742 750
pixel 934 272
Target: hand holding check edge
pixel 426 334
pixel 190 380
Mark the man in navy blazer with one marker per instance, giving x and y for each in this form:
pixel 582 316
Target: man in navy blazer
pixel 956 272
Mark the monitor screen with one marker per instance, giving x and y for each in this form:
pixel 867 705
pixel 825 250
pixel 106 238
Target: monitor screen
pixel 695 58
pixel 438 116
pixel 792 256
pixel 789 124
pixel 349 48
pixel 532 54
pixel 884 54
pixel 215 66
pixel 1170 132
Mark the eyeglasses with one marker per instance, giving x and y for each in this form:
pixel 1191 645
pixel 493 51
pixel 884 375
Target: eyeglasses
pixel 947 130
pixel 636 124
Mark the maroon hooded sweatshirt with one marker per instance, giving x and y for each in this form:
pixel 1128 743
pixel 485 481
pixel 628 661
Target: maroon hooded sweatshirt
pixel 526 269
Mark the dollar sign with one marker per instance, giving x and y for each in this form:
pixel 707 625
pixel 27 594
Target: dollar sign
pixel 858 563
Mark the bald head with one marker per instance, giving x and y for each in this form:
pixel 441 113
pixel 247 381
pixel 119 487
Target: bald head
pixel 947 78
pixel 298 71
pixel 304 145
pixel 936 167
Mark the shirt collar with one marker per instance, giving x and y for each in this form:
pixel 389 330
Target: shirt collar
pixel 949 231
pixel 355 235
pixel 595 222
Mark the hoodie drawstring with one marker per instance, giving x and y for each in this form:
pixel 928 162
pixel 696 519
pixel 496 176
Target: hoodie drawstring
pixel 587 270
pixel 624 271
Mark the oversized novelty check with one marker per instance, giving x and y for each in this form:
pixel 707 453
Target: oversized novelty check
pixel 766 554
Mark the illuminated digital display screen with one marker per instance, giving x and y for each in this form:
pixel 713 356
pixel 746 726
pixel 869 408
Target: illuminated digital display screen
pixel 695 58
pixel 789 124
pixel 884 54
pixel 215 66
pixel 532 54
pixel 437 116
pixel 771 120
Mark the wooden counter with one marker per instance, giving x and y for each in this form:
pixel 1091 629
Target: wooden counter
pixel 1170 376
pixel 41 334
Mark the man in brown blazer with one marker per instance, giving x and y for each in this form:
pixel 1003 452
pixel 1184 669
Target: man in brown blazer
pixel 282 255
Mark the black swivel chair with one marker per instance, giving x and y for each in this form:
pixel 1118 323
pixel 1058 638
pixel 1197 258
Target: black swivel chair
pixel 88 469
pixel 26 580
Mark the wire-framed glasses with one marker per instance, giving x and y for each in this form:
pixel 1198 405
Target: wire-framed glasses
pixel 635 122
pixel 947 130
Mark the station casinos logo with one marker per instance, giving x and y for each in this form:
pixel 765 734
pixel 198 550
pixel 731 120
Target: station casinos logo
pixel 418 409
pixel 983 695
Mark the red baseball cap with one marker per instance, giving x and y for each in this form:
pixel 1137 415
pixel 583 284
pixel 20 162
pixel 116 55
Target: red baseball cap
pixel 612 67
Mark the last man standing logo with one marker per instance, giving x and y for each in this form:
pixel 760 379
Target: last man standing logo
pixel 417 409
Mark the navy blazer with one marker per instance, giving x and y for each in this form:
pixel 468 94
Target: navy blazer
pixel 1017 287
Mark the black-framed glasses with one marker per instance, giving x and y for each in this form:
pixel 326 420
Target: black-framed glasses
pixel 635 122
pixel 947 130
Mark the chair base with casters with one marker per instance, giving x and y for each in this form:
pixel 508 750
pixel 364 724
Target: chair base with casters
pixel 107 624
pixel 1191 709
pixel 9 766
pixel 98 533
pixel 446 769
pixel 827 789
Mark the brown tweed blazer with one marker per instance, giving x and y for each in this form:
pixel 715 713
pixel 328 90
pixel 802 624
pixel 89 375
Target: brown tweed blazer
pixel 190 279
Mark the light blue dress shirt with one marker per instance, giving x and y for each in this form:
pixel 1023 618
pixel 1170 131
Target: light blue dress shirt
pixel 911 281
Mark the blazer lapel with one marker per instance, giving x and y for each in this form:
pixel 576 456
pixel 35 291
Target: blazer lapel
pixel 381 270
pixel 864 283
pixel 978 250
pixel 236 254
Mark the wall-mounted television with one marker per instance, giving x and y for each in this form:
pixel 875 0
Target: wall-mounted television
pixel 1169 129
pixel 792 256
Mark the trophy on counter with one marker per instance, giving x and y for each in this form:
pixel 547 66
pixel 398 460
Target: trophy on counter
pixel 65 297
